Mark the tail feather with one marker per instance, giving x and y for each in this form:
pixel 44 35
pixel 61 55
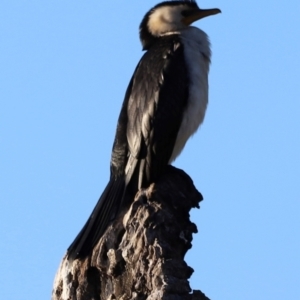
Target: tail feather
pixel 104 211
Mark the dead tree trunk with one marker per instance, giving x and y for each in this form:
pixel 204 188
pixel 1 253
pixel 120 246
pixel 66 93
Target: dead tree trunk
pixel 141 255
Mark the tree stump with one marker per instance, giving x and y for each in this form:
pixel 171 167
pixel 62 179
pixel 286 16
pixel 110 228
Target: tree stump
pixel 141 254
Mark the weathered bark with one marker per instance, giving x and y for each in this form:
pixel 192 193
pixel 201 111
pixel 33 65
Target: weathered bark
pixel 141 255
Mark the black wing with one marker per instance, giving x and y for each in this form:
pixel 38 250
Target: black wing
pixel 155 106
pixel 146 133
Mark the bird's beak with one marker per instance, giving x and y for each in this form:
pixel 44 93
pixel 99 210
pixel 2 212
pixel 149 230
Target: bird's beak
pixel 194 15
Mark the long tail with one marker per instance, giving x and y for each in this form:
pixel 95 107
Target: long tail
pixel 104 211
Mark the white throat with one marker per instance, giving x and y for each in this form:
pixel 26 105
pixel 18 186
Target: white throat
pixel 197 56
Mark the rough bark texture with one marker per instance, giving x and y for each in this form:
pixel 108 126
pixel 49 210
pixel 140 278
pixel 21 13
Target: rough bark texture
pixel 141 255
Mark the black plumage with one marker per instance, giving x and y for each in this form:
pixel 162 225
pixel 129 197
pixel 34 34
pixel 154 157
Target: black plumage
pixel 146 133
pixel 156 104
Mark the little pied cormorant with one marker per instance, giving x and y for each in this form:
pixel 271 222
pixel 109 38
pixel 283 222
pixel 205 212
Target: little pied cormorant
pixel 164 105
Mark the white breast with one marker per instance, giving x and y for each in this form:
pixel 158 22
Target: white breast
pixel 197 56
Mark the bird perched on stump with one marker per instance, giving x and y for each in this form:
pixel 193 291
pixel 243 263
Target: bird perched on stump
pixel 164 105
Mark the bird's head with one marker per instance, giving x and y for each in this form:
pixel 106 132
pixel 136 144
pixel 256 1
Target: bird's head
pixel 170 16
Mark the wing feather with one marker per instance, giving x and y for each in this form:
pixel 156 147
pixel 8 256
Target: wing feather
pixel 156 104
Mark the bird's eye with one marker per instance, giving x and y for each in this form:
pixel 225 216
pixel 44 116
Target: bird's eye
pixel 185 13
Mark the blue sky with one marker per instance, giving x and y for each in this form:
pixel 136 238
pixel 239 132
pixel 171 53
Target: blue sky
pixel 64 68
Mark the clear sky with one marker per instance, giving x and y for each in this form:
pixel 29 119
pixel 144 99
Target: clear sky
pixel 64 68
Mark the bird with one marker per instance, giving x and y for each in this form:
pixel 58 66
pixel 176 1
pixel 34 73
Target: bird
pixel 164 105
